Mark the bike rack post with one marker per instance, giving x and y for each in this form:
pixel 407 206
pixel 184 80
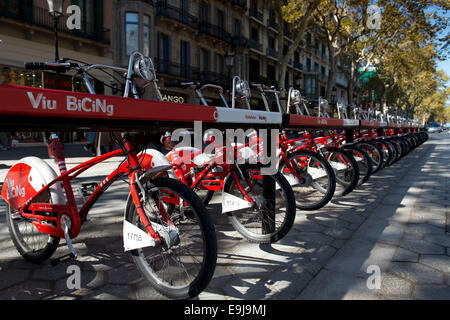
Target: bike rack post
pixel 349 135
pixel 268 223
pixel 380 132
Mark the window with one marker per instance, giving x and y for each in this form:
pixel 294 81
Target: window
pixel 221 19
pixel 237 27
pixel 308 64
pixel 239 65
pixel 316 67
pixel 184 5
pixel 254 67
pixel 297 56
pixel 88 9
pixel 271 42
pixel 164 54
pixel 308 38
pixel 254 34
pixel 271 72
pixel 185 58
pixel 204 12
pixel 310 87
pixel 220 64
pixel 132 32
pixel 147 38
pixel 204 60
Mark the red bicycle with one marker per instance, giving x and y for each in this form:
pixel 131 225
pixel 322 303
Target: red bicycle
pixel 167 230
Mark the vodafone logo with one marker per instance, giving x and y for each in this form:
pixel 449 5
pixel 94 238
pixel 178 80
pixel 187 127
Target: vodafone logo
pixel 13 191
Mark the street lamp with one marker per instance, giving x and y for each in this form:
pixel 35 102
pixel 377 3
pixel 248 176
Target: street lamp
pixel 55 9
pixel 229 62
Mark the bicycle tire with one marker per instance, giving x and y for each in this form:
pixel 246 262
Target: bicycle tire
pixel 364 163
pixel 329 177
pixel 349 180
pixel 287 199
pixel 388 152
pixel 207 234
pixel 48 246
pixel 375 154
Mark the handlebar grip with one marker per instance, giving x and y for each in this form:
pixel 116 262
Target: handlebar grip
pixel 44 66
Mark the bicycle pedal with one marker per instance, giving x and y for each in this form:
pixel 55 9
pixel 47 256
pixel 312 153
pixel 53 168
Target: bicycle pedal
pixel 64 258
pixel 88 188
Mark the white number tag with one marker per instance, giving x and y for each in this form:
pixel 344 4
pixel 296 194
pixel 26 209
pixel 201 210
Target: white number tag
pixel 232 203
pixel 135 238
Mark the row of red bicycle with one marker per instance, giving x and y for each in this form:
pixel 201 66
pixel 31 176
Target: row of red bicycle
pixel 168 230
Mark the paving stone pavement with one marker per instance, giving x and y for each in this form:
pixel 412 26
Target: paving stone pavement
pixel 397 221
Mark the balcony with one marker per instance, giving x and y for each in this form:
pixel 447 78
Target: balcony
pixel 298 65
pixel 287 32
pixel 239 41
pixel 263 80
pixel 213 78
pixel 174 69
pixel 165 10
pixel 272 53
pixel 272 24
pixel 240 3
pixel 214 31
pixel 256 14
pixel 255 45
pixel 40 17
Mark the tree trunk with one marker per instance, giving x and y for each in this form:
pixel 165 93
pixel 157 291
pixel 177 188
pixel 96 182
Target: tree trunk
pixel 331 74
pixel 302 24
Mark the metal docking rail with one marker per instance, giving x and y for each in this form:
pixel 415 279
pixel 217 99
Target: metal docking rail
pixel 25 108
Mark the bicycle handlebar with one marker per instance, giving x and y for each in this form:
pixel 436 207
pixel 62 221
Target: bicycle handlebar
pixel 49 66
pixel 182 85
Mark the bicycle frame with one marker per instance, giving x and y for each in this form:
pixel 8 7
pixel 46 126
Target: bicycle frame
pixel 132 168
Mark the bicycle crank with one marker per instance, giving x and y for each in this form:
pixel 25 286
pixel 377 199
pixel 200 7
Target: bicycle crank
pixel 66 224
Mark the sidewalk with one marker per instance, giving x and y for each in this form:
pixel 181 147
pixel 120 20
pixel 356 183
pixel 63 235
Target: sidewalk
pixel 397 221
pixel 407 236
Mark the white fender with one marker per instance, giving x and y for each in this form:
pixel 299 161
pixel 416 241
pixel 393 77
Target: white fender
pixel 42 171
pixel 26 178
pixel 158 159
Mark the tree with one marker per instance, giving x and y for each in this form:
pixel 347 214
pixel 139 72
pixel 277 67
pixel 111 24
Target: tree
pixel 298 14
pixel 341 24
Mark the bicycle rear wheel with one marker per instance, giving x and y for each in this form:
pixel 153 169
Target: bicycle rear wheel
pixel 184 268
pixel 33 245
pixel 273 215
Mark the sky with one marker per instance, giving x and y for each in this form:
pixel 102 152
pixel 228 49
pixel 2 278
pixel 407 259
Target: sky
pixel 445 65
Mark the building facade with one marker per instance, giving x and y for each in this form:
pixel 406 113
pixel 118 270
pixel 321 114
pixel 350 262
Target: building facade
pixel 211 41
pixel 188 40
pixel 27 35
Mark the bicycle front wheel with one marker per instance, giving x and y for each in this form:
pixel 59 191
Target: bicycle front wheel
pixel 183 269
pixel 273 214
pixel 318 182
pixel 346 170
